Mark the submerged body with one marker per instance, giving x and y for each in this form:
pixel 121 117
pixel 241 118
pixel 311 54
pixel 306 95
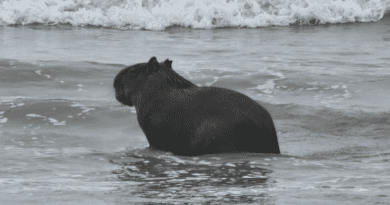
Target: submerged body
pixel 185 119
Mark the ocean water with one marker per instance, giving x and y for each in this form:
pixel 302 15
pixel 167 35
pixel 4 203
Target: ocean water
pixel 321 68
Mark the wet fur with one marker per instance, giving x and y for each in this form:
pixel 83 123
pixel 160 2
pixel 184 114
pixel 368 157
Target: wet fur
pixel 180 117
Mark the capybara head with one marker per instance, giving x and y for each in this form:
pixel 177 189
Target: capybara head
pixel 133 79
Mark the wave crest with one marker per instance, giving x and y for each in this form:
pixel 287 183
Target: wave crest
pixel 159 14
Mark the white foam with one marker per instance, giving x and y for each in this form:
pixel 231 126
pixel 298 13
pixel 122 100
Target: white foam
pixel 12 98
pixel 76 104
pixel 133 110
pixel 38 72
pixel 230 165
pixel 254 177
pixel 55 122
pixel 52 120
pixel 211 83
pixel 35 115
pixel 360 189
pixel 182 172
pixel 204 162
pixel 86 109
pixel 159 14
pixel 347 95
pixel 267 87
pixel 3 120
pixel 60 123
pixel 198 174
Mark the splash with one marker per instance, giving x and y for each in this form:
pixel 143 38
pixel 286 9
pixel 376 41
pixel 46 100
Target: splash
pixel 206 14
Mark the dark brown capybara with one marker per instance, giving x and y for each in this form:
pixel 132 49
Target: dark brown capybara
pixel 185 119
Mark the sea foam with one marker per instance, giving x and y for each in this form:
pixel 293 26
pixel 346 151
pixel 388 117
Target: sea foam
pixel 160 14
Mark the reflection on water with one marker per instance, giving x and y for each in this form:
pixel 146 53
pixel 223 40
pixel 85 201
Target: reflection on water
pixel 210 182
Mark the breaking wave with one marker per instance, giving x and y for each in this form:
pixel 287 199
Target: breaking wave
pixel 205 14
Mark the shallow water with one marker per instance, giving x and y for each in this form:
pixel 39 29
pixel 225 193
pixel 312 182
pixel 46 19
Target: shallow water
pixel 65 140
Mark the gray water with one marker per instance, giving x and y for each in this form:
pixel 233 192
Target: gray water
pixel 65 140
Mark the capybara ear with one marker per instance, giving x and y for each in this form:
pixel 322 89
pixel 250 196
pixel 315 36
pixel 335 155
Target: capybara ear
pixel 152 65
pixel 168 63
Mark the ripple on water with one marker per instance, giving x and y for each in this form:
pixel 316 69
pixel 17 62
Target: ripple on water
pixel 200 180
